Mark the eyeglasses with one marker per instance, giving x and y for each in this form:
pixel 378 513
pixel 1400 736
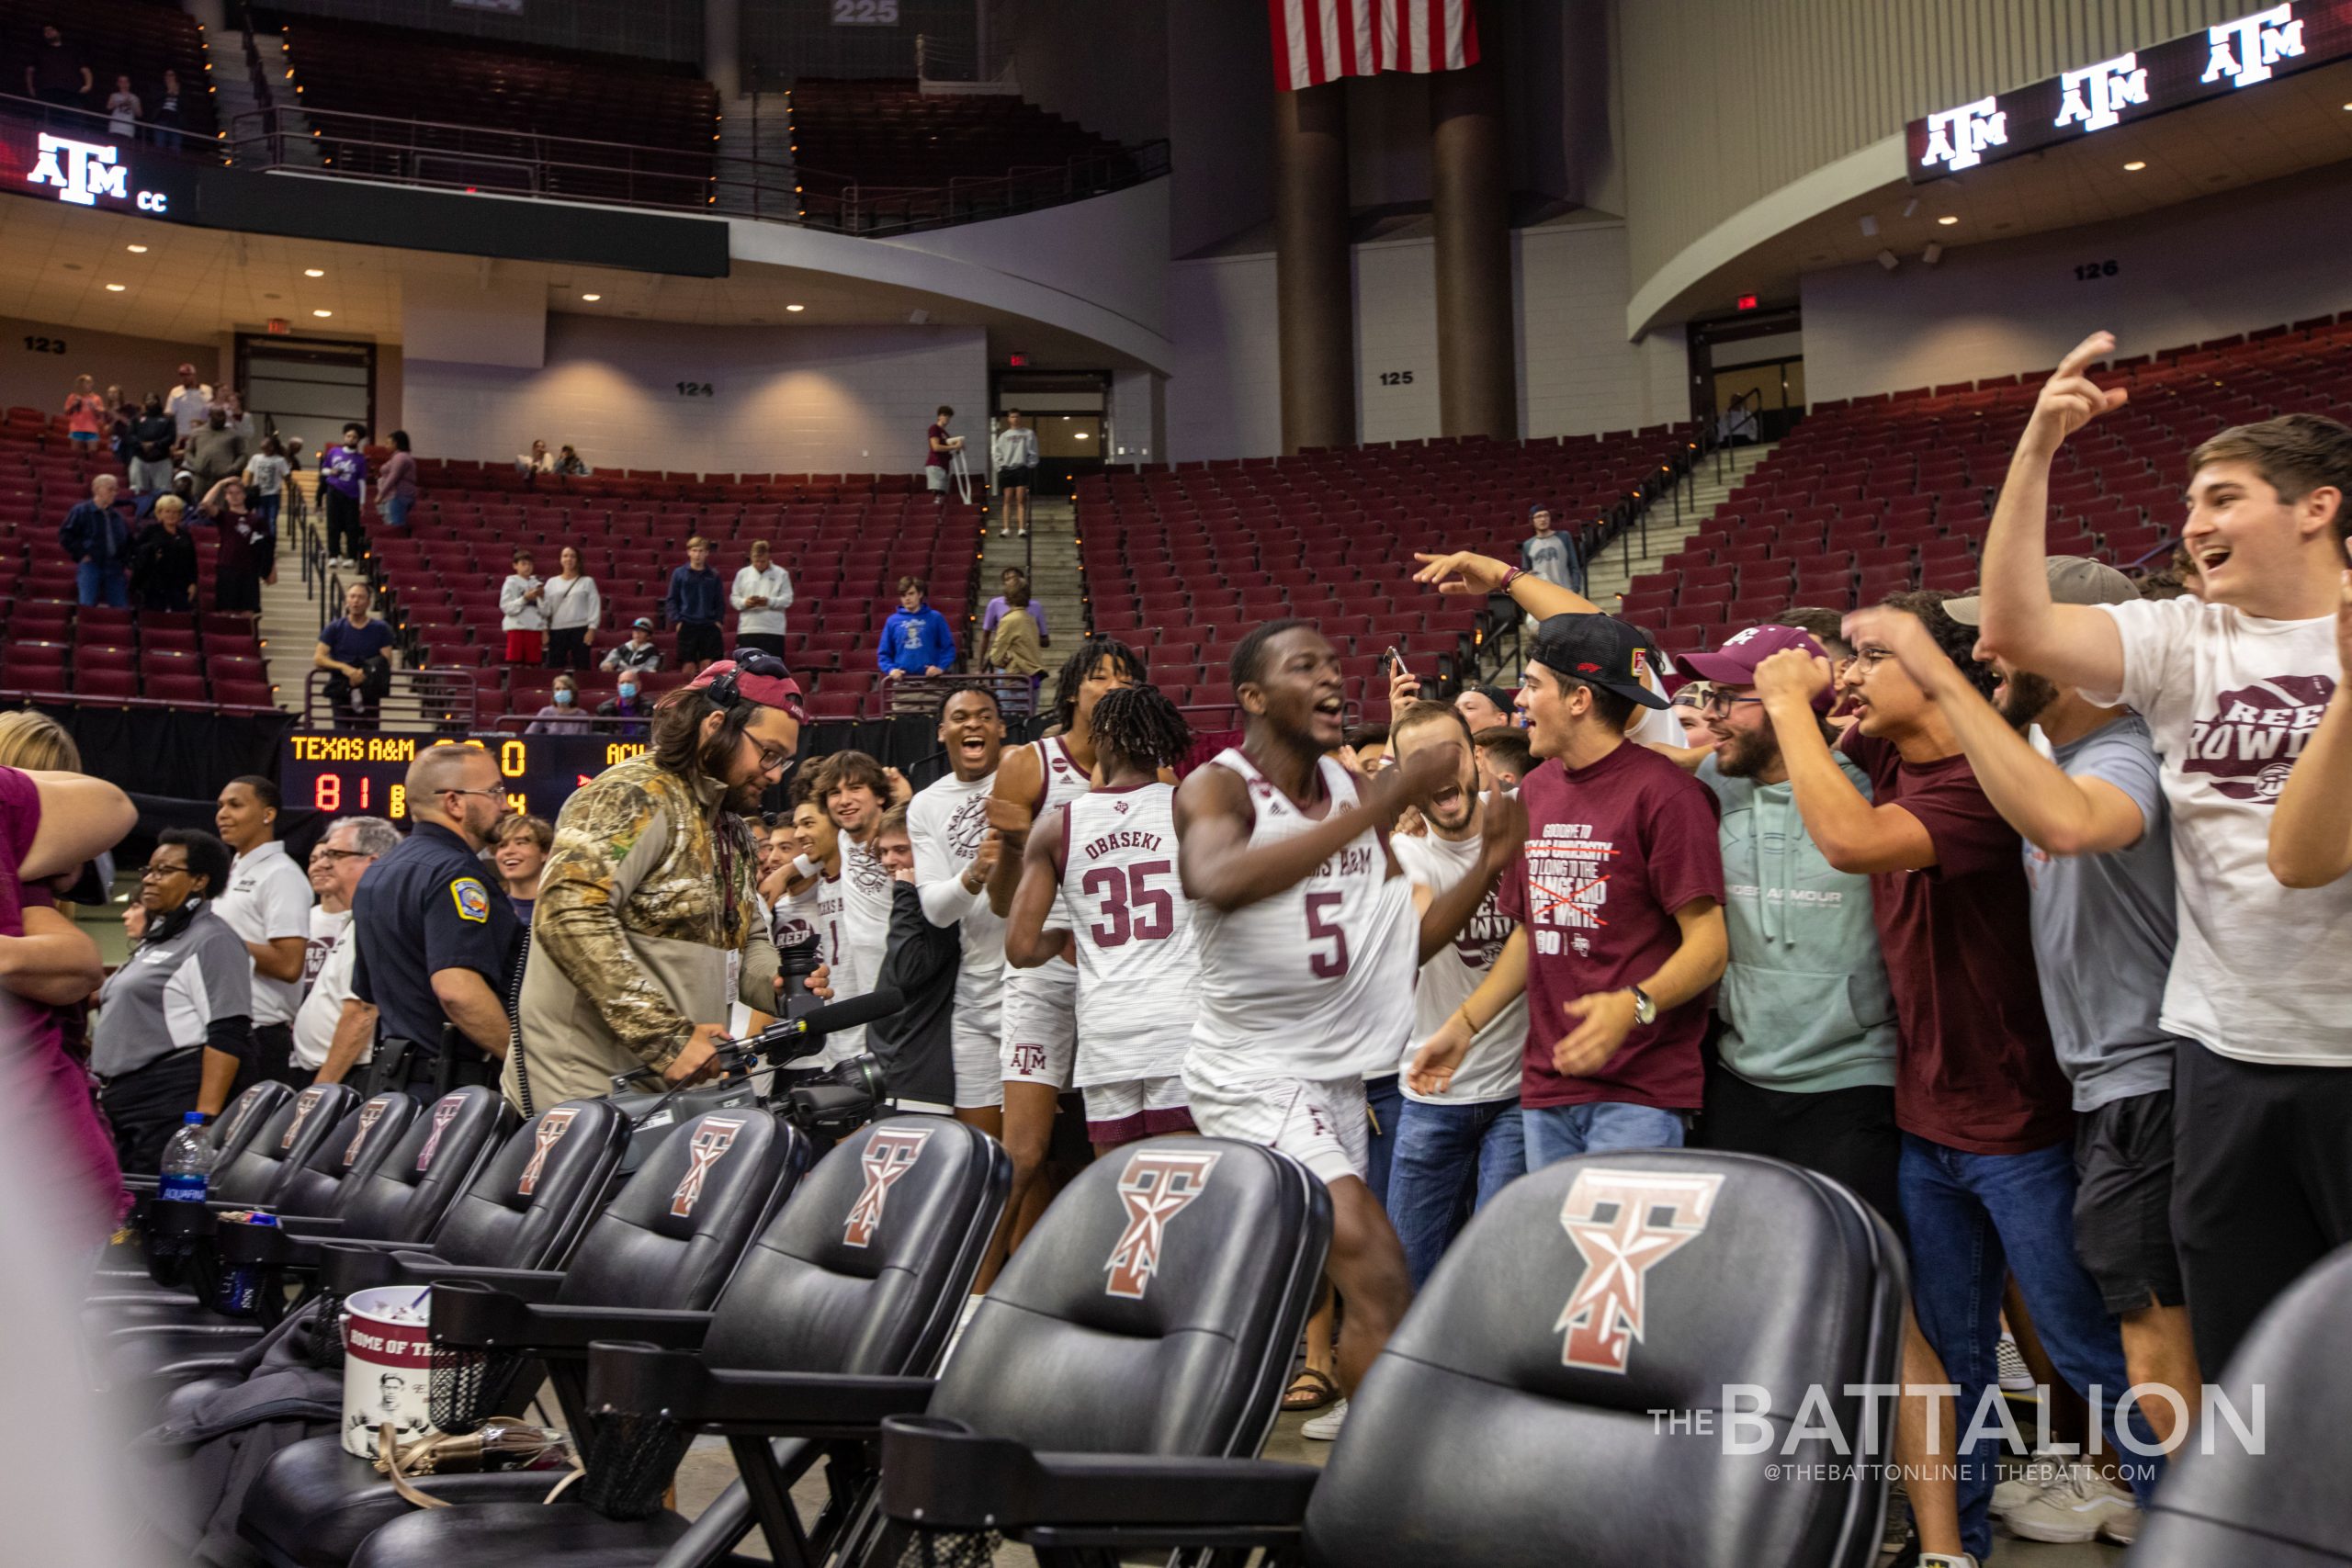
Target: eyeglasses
pixel 498 796
pixel 1718 704
pixel 365 854
pixel 157 873
pixel 773 761
pixel 1869 658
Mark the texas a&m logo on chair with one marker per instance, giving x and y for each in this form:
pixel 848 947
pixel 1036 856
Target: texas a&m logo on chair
pixel 551 1129
pixel 1624 1223
pixel 1155 1187
pixel 889 1154
pixel 442 1114
pixel 713 1138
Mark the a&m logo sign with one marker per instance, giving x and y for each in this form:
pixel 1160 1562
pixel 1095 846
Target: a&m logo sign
pixel 82 172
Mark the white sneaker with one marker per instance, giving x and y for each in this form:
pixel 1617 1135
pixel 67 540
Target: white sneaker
pixel 2041 1470
pixel 2079 1506
pixel 1325 1427
pixel 1946 1560
pixel 2015 1375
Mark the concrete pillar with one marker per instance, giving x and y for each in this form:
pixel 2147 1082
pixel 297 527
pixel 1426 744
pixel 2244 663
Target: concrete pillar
pixel 1476 380
pixel 1314 291
pixel 722 63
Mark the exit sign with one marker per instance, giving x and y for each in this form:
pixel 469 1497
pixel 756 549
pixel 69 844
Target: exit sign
pixel 1016 360
pixel 1746 302
pixel 277 327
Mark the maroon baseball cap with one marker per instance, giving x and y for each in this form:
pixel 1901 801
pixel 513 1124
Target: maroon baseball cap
pixel 750 677
pixel 1733 664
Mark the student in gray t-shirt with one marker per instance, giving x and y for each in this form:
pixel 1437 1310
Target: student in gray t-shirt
pixel 1549 554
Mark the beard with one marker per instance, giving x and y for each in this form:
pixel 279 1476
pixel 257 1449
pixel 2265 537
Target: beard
pixel 1744 753
pixel 2025 697
pixel 718 753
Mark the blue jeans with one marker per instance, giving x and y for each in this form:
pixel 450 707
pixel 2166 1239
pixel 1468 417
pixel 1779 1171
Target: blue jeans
pixel 1973 1218
pixel 266 509
pixel 1386 1100
pixel 1448 1160
pixel 1556 1133
pixel 395 510
pixel 92 580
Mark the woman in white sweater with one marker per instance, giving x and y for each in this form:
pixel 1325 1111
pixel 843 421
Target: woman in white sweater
pixel 522 599
pixel 574 608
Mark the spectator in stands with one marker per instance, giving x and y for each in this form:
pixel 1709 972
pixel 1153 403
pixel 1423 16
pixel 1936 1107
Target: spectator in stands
pixel 569 464
pixel 123 110
pixel 574 609
pixel 537 460
pixel 1018 647
pixel 1486 708
pixel 343 480
pixel 641 653
pixel 121 414
pixel 396 486
pixel 1690 712
pixel 95 537
pixel 762 591
pixel 248 548
pixel 328 916
pixel 162 560
pixel 330 1013
pixel 522 601
pixel 166 116
pixel 1551 554
pixel 58 77
pixel 213 452
pixel 175 1029
pixel 1016 597
pixel 267 902
pixel 560 714
pixel 916 639
pixel 266 473
pixel 188 404
pixel 86 416
pixel 152 436
pixel 940 447
pixel 352 649
pixel 628 703
pixel 1503 757
pixel 694 605
pixel 518 847
pixel 232 408
pixel 1013 454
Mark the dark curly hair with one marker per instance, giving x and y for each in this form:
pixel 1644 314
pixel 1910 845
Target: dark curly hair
pixel 1080 664
pixel 1958 642
pixel 1140 726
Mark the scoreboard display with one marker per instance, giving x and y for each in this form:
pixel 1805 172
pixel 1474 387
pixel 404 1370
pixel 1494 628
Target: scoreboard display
pixel 343 774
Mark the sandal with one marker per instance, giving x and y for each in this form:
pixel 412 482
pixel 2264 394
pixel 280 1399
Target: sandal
pixel 1311 1390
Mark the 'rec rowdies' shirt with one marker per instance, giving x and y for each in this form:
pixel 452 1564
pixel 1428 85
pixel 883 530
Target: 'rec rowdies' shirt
pixel 1974 1069
pixel 1613 850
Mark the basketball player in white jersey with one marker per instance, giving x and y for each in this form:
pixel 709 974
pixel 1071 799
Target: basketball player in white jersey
pixel 1099 879
pixel 948 821
pixel 1040 1019
pixel 1308 949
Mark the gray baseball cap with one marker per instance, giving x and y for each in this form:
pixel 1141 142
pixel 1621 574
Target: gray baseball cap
pixel 2073 580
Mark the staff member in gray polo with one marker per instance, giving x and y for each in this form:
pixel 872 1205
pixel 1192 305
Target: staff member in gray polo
pixel 175 1021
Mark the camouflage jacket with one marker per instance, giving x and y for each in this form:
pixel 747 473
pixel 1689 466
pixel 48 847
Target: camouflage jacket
pixel 636 936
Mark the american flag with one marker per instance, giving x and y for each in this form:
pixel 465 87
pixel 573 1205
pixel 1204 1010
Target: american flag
pixel 1321 40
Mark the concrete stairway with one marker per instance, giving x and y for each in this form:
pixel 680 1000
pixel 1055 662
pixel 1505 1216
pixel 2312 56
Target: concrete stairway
pixel 291 613
pixel 239 95
pixel 1050 557
pixel 763 136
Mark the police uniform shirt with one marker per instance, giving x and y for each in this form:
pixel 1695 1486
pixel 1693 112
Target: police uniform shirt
pixel 426 905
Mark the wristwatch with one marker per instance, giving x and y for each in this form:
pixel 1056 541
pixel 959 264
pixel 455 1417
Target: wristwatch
pixel 1644 1009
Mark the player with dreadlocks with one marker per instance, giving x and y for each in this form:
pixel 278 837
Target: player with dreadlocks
pixel 1106 861
pixel 1040 1013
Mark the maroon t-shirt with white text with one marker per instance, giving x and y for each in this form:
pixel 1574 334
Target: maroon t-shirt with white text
pixel 1613 850
pixel 1974 1066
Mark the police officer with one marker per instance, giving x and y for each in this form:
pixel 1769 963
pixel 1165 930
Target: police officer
pixel 435 942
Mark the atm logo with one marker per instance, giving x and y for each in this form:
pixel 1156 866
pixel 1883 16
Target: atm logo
pixel 1625 1222
pixel 889 1154
pixel 551 1129
pixel 81 172
pixel 1156 1186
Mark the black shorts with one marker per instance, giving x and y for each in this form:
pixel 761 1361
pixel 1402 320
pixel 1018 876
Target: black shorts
pixel 2123 1160
pixel 1847 1135
pixel 1014 479
pixel 700 639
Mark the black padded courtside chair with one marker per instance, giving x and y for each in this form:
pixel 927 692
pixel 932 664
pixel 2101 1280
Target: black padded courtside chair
pixel 2285 1507
pixel 1508 1424
pixel 667 1243
pixel 861 1274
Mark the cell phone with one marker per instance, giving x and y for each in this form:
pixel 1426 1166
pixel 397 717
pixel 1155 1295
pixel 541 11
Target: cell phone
pixel 1391 659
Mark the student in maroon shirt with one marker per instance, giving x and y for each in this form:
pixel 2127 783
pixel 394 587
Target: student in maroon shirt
pixel 1618 896
pixel 1987 1178
pixel 248 548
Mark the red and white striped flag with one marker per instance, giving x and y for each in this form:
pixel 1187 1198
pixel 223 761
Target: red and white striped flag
pixel 1321 40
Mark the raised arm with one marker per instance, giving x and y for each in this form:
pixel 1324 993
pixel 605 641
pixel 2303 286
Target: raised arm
pixel 2073 644
pixel 1466 572
pixel 80 817
pixel 1027 942
pixel 2310 830
pixel 2053 810
pixel 1853 835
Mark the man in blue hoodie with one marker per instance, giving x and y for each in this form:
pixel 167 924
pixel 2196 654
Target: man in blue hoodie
pixel 96 538
pixel 916 639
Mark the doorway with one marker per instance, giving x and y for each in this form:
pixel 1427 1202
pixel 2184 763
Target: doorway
pixel 1747 374
pixel 1068 410
pixel 309 388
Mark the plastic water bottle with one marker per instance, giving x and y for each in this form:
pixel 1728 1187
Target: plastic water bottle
pixel 188 1163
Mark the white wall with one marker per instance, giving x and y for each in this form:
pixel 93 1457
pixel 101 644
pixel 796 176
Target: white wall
pixel 1225 391
pixel 1108 251
pixel 2207 269
pixel 33 376
pixel 1577 373
pixel 500 320
pixel 785 400
pixel 1396 336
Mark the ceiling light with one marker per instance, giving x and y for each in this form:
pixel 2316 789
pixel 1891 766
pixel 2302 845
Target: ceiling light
pixel 314 272
pixel 136 250
pixel 322 313
pixel 2136 165
pixel 115 288
pixel 796 310
pixel 1948 219
pixel 591 298
pixel 1081 435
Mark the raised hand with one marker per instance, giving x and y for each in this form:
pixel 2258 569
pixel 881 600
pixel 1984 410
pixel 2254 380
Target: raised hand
pixel 2069 398
pixel 1791 673
pixel 1464 572
pixel 1904 636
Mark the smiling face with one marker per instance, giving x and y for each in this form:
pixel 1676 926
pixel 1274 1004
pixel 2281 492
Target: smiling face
pixel 1745 744
pixel 819 839
pixel 240 818
pixel 852 807
pixel 321 869
pixel 519 860
pixel 1451 809
pixel 167 884
pixel 2247 542
pixel 1108 675
pixel 570 561
pixel 1298 691
pixel 973 732
pixel 348 867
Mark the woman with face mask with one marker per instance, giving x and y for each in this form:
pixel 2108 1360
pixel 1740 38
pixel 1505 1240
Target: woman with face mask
pixel 561 716
pixel 632 703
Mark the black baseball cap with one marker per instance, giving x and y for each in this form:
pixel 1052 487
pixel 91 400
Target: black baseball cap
pixel 1497 696
pixel 1599 650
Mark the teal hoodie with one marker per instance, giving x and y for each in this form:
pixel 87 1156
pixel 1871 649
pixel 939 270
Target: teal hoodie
pixel 1805 1001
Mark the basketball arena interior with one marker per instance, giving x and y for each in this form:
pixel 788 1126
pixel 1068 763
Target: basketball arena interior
pixel 876 782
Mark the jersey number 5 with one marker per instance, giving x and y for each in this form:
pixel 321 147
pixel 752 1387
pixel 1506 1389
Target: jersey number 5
pixel 1332 964
pixel 1133 910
